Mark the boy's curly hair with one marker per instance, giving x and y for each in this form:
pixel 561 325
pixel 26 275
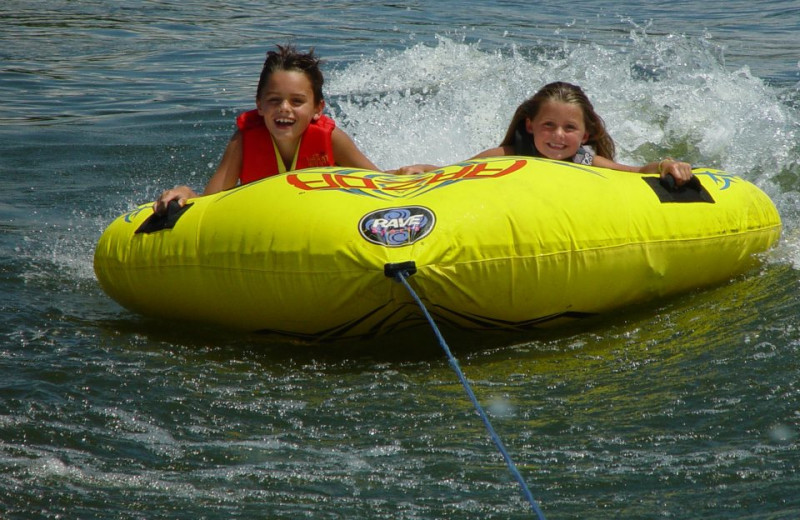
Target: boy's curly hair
pixel 287 58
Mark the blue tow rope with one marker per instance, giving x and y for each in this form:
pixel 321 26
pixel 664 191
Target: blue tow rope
pixel 400 275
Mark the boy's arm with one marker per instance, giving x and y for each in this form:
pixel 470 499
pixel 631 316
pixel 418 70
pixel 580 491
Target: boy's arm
pixel 226 176
pixel 346 153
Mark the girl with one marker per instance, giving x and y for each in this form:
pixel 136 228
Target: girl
pixel 559 122
pixel 287 131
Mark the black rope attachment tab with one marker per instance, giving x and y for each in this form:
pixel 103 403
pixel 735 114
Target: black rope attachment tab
pixel 159 222
pixel 407 268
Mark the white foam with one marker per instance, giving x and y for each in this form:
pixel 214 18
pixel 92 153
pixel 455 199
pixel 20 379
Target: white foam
pixel 659 95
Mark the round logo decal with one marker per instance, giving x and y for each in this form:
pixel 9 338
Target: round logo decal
pixel 396 227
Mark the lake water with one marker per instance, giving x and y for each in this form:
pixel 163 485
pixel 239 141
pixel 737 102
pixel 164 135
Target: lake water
pixel 684 408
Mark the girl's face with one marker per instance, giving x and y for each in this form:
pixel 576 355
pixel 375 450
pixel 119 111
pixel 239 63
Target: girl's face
pixel 558 130
pixel 287 105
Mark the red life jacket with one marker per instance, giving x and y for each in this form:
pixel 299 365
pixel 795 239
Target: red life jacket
pixel 258 152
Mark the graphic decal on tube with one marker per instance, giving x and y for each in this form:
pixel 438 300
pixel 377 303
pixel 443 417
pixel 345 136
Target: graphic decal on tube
pixel 397 227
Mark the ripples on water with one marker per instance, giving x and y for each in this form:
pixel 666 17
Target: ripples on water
pixel 686 408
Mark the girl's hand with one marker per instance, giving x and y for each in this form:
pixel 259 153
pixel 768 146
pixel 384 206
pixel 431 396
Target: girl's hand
pixel 680 171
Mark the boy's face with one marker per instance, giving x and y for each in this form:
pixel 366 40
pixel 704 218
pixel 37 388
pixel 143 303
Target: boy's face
pixel 558 130
pixel 287 105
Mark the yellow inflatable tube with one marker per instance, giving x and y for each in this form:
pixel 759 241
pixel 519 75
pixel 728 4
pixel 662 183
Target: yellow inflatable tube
pixel 498 243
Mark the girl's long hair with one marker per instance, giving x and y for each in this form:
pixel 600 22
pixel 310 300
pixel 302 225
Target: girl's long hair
pixel 599 139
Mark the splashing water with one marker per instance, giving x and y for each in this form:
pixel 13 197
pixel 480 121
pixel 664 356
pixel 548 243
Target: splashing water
pixel 668 96
pixel 444 102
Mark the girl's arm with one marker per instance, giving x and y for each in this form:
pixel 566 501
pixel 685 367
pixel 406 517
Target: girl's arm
pixel 420 168
pixel 680 171
pixel 226 176
pixel 495 152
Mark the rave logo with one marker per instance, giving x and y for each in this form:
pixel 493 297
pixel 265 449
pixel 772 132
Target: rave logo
pixel 397 227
